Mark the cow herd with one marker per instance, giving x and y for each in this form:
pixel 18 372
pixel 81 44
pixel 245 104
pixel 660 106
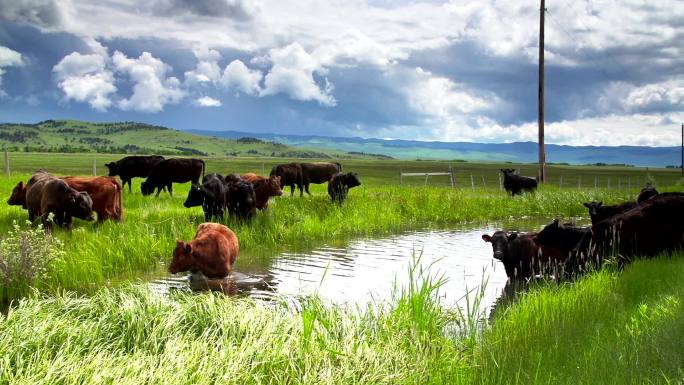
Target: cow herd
pixel 652 224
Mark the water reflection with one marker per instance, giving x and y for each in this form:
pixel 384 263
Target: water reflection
pixel 370 269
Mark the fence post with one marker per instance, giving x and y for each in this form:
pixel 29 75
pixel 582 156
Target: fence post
pixel 500 184
pixel 401 176
pixel 262 170
pixel 595 182
pixel 94 167
pixel 7 166
pixel 451 177
pixel 629 182
pixel 426 177
pixel 579 182
pixel 484 184
pixel 560 185
pixel 472 182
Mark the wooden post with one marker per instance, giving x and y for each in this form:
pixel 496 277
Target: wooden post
pixel 542 152
pixel 595 182
pixel 401 176
pixel 484 184
pixel 94 167
pixel 262 170
pixel 629 182
pixel 561 182
pixel 500 183
pixel 451 177
pixel 426 177
pixel 579 182
pixel 7 166
pixel 472 182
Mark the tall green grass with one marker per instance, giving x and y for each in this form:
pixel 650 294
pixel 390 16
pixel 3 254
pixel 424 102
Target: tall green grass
pixel 607 328
pixel 98 254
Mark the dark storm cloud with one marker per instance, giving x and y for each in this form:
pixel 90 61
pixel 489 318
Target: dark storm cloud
pixel 42 13
pixel 240 10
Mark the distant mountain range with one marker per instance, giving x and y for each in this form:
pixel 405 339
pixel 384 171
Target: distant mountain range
pixel 517 152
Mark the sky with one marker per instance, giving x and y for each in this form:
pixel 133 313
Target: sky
pixel 462 71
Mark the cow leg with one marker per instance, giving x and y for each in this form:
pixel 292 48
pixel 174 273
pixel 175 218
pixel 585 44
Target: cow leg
pixel 292 189
pixel 170 187
pixel 159 189
pixel 67 221
pixel 306 188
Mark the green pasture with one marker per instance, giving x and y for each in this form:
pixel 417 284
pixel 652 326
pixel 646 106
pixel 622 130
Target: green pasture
pixel 89 320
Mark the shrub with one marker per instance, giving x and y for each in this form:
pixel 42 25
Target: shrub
pixel 25 254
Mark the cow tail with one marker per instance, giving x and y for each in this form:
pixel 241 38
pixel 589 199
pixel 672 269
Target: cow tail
pixel 119 205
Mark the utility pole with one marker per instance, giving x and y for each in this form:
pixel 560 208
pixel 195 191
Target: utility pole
pixel 542 151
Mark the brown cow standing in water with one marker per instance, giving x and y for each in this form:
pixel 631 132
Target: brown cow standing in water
pixel 264 188
pixel 212 252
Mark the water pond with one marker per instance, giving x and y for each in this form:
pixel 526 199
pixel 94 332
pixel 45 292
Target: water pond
pixel 366 270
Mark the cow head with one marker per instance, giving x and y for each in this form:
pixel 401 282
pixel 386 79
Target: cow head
pixel 270 186
pixel 507 171
pixel 195 196
pixel 352 180
pixel 182 259
pixel 81 205
pixel 593 207
pixel 549 233
pixel 646 193
pixel 113 168
pixel 18 197
pixel 499 241
pixel 146 188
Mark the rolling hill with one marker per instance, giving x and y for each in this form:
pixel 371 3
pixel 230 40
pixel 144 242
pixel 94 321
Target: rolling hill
pixel 72 136
pixel 517 152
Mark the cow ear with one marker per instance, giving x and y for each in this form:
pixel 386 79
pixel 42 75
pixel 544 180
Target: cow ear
pixel 486 238
pixel 587 205
pixel 512 236
pixel 188 248
pixel 599 204
pixel 21 184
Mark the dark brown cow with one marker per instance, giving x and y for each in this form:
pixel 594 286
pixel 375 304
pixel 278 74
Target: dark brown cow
pixel 521 257
pixel 319 172
pixel 646 193
pixel 598 212
pixel 339 185
pixel 47 195
pixel 290 175
pixel 130 167
pixel 212 252
pixel 264 188
pixel 105 191
pixel 169 171
pixel 653 226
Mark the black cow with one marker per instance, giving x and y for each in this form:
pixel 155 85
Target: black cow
pixel 653 226
pixel 515 184
pixel 521 257
pixel 319 172
pixel 562 237
pixel 290 175
pixel 339 185
pixel 598 212
pixel 130 167
pixel 240 197
pixel 646 192
pixel 47 195
pixel 211 195
pixel 169 171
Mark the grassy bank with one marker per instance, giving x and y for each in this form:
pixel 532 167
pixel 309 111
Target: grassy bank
pixel 609 328
pixel 97 254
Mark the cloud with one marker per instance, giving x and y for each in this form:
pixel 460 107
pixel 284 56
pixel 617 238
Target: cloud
pixel 292 73
pixel 237 76
pixel 206 101
pixel 628 97
pixel 42 13
pixel 152 89
pixel 8 58
pixel 233 9
pixel 207 69
pixel 85 78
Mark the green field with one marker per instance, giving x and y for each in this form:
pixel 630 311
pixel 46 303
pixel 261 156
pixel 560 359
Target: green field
pixel 86 323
